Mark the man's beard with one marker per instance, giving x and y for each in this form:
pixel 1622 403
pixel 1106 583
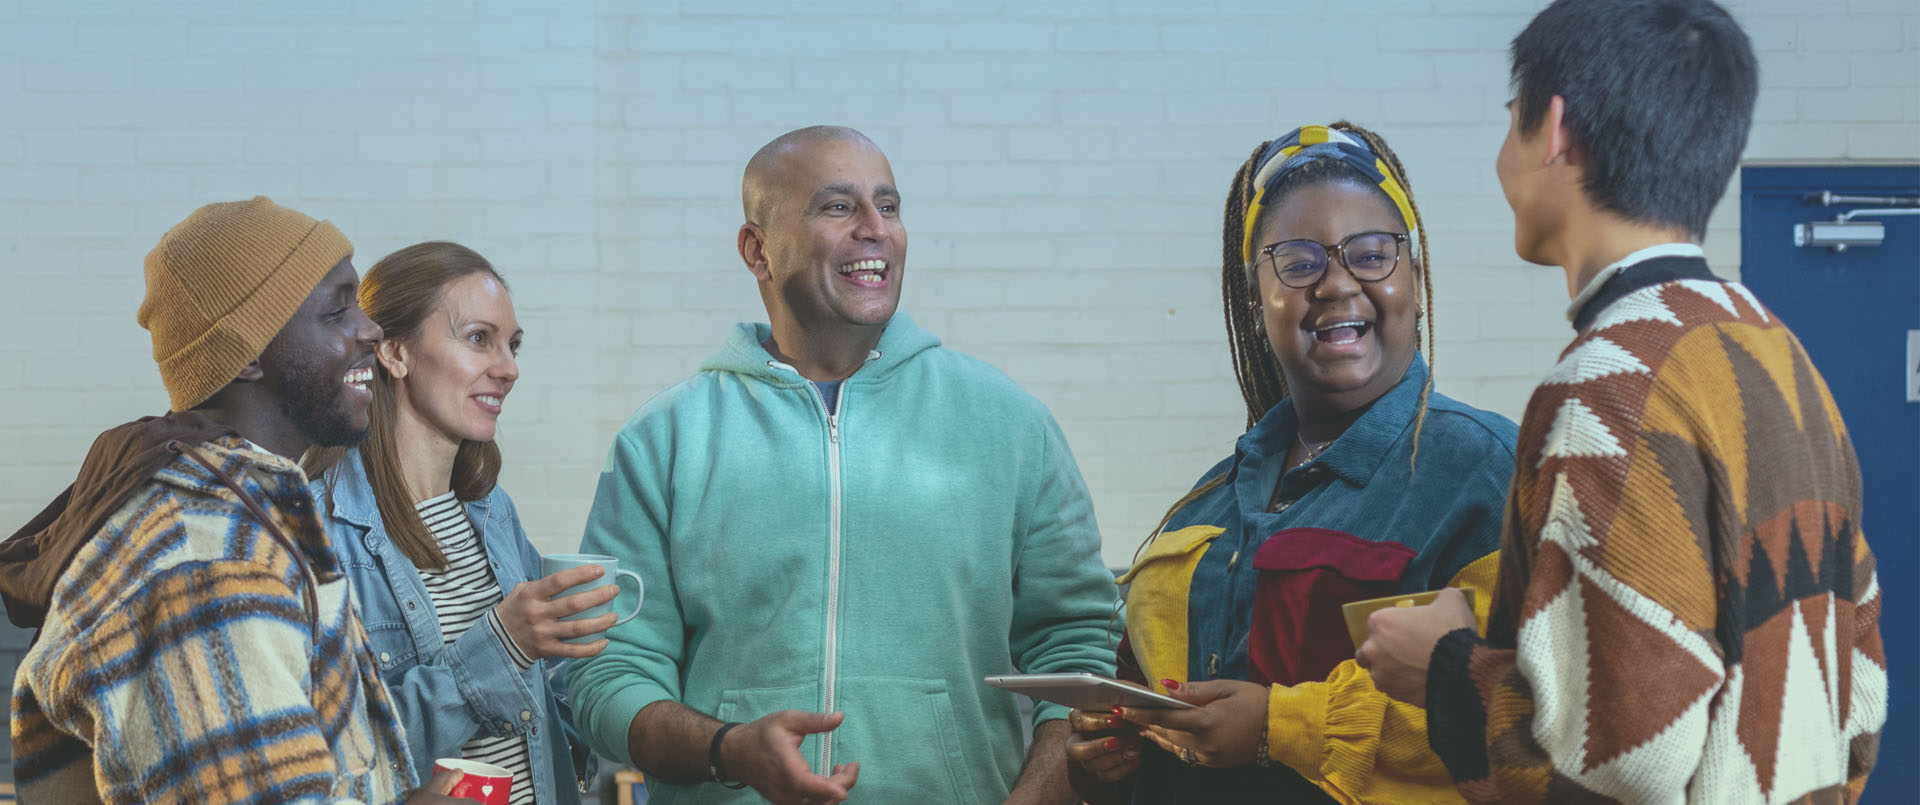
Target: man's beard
pixel 310 399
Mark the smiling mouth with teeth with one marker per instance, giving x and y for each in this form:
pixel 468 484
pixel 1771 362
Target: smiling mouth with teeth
pixel 488 399
pixel 358 378
pixel 871 273
pixel 1345 332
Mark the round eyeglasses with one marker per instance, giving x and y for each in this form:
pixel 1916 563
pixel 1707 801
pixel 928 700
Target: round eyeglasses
pixel 1301 262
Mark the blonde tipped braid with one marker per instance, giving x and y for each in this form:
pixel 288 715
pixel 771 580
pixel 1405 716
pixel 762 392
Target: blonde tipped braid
pixel 1392 159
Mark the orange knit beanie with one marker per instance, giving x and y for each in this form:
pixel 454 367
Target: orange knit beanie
pixel 223 282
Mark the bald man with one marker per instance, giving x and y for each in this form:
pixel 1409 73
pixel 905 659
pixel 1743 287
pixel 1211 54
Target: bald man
pixel 843 527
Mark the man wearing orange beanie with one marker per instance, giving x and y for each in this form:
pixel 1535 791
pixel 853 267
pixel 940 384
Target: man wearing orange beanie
pixel 197 642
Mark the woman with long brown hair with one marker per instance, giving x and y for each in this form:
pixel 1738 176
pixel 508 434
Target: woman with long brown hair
pixel 1354 480
pixel 466 633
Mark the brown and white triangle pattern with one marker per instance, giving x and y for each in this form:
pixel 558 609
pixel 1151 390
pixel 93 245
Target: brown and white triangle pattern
pixel 1804 752
pixel 1652 304
pixel 1600 727
pixel 1869 680
pixel 1566 524
pixel 1714 291
pixel 1602 356
pixel 1590 714
pixel 1577 432
pixel 1593 359
pixel 1752 303
pixel 1587 718
pixel 1642 305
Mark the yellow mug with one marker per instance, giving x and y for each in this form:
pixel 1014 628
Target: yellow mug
pixel 1357 611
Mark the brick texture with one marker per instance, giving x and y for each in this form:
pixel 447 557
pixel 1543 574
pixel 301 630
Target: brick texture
pixel 1062 165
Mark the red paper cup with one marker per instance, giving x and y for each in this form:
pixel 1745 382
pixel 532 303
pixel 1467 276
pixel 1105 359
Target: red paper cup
pixel 480 782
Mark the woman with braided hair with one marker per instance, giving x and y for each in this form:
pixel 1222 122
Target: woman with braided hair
pixel 1354 480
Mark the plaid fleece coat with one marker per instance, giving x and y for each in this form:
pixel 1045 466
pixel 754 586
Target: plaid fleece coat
pixel 189 656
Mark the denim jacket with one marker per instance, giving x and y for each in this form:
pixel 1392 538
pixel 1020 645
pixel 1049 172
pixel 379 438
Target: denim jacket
pixel 448 693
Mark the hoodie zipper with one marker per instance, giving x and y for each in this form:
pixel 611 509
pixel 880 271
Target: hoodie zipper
pixel 833 569
pixel 831 662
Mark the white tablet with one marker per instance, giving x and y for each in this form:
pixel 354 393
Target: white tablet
pixel 1084 691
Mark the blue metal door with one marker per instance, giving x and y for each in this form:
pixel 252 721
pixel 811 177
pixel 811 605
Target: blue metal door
pixel 1854 309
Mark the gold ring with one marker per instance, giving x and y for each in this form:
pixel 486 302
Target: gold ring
pixel 1186 755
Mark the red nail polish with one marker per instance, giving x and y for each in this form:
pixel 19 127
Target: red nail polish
pixel 1170 684
pixel 1111 743
pixel 1113 721
pixel 1116 712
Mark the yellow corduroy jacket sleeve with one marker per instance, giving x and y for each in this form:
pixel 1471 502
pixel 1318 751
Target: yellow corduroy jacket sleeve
pixel 1354 742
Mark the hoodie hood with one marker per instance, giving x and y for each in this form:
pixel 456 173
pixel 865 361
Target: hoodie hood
pixel 743 353
pixel 121 461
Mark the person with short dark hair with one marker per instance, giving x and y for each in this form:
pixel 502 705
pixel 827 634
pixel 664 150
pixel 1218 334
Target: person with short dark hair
pixel 198 641
pixel 1686 606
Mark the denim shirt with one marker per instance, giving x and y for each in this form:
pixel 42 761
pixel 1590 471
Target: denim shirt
pixel 448 693
pixel 1446 508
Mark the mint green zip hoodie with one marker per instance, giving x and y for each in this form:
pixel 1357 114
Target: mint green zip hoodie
pixel 880 561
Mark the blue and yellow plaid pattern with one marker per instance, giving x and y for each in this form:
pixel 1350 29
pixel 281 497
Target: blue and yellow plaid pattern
pixel 180 661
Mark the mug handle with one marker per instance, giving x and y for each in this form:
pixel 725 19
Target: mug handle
pixel 639 593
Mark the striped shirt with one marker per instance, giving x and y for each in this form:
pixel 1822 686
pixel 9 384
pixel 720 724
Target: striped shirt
pixel 463 595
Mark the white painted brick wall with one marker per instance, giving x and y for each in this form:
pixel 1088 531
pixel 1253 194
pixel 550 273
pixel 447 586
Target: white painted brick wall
pixel 1063 164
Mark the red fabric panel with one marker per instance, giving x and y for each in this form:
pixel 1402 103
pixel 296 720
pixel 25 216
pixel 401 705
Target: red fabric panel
pixel 1306 574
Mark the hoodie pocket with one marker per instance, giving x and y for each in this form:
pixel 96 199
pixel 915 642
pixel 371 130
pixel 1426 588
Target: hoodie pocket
pixel 906 732
pixel 1306 575
pixel 748 704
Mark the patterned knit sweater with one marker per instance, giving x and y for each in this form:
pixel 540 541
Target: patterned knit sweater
pixel 1686 607
pixel 189 656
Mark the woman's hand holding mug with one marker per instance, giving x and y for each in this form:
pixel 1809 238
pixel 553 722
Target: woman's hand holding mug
pixel 545 616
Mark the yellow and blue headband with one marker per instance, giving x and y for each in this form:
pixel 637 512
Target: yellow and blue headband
pixel 1310 143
